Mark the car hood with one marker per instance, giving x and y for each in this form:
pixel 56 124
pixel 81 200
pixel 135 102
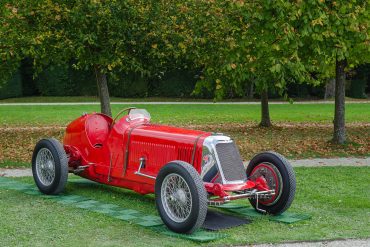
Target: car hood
pixel 160 133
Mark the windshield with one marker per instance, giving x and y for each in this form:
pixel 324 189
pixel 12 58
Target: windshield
pixel 139 113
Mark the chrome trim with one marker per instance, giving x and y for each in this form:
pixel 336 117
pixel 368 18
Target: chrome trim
pixel 195 147
pixel 127 148
pixel 80 169
pixel 210 142
pixel 249 194
pixel 110 168
pixel 142 164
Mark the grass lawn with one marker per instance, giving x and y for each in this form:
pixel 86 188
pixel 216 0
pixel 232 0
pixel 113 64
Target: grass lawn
pixel 337 199
pixel 186 114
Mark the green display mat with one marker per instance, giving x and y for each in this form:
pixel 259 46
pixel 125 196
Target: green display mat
pixel 136 217
pixel 243 210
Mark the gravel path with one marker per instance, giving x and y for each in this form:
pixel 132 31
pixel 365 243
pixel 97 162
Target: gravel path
pixel 182 103
pixel 335 243
pixel 295 163
pixel 25 172
pixel 331 162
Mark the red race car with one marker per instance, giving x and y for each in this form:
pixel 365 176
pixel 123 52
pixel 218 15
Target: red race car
pixel 186 169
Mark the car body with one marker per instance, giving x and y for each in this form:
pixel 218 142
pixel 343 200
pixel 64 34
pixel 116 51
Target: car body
pixel 188 170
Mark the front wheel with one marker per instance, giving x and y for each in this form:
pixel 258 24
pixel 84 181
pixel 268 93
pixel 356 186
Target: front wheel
pixel 279 176
pixel 180 196
pixel 50 166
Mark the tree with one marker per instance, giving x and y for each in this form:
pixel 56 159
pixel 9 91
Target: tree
pixel 337 35
pixel 100 35
pixel 11 40
pixel 237 41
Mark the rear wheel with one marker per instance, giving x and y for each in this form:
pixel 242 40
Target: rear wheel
pixel 279 176
pixel 181 198
pixel 50 166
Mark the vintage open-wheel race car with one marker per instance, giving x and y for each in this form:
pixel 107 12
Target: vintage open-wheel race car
pixel 186 169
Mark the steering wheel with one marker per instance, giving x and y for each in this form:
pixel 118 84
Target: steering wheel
pixel 119 113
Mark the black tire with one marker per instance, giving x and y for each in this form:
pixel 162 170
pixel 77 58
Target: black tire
pixel 50 147
pixel 198 211
pixel 281 166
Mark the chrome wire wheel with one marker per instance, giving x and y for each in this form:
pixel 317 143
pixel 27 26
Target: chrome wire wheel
pixel 176 197
pixel 45 166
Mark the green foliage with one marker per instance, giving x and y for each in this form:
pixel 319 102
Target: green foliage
pixel 175 83
pixel 357 89
pixel 28 82
pixel 334 30
pixel 63 80
pixel 54 81
pixel 84 81
pixel 268 43
pixel 13 36
pixel 359 79
pixel 101 34
pixel 128 85
pixel 236 42
pixel 12 87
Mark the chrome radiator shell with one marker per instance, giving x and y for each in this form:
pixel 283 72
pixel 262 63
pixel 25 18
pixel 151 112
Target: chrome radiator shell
pixel 228 166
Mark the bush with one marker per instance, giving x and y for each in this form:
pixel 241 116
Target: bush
pixel 84 82
pixel 357 89
pixel 128 85
pixel 55 81
pixel 28 83
pixel 358 79
pixel 12 87
pixel 63 80
pixel 176 83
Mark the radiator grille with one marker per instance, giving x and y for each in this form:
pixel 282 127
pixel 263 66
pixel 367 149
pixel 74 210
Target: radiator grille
pixel 230 161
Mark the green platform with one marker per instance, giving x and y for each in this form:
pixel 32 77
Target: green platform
pixel 250 212
pixel 136 217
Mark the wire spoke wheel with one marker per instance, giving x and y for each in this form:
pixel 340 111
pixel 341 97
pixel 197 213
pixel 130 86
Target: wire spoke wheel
pixel 50 166
pixel 45 166
pixel 176 197
pixel 180 197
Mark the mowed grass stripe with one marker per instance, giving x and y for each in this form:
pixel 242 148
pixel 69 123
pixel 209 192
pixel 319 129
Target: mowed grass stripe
pixel 186 114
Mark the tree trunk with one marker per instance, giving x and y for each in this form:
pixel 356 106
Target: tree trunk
pixel 265 114
pixel 339 136
pixel 101 80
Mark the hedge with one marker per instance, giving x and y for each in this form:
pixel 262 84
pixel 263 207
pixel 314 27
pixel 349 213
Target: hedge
pixel 176 83
pixel 66 81
pixel 12 87
pixel 357 89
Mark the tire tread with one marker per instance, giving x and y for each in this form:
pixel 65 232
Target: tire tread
pixel 62 159
pixel 200 192
pixel 274 209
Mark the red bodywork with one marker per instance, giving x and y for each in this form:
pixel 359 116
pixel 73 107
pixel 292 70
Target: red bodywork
pixel 110 153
